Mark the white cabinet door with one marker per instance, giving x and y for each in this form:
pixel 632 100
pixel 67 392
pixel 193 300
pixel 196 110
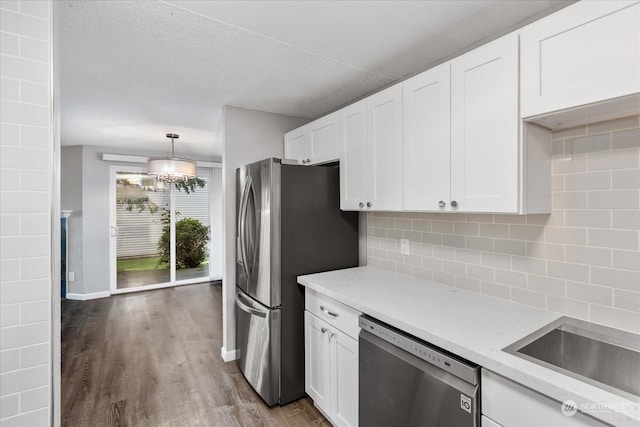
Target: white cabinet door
pixel 384 149
pixel 484 128
pixel 426 120
pixel 297 144
pixel 353 156
pixel 323 134
pixel 344 377
pixel 587 52
pixel 317 361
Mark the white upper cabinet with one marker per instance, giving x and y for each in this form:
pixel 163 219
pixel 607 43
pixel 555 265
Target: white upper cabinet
pixel 585 53
pixel 426 139
pixel 325 145
pixel 485 128
pixel 353 156
pixel 314 143
pixel 384 150
pixel 297 145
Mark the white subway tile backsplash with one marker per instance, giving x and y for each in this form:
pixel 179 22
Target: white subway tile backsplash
pixel 586 218
pixel 37 8
pixel 583 260
pixel 546 285
pixel 34 93
pixel 569 164
pixel 626 179
pixel 545 251
pixel 9 315
pixel 9 44
pixel 590 293
pixel 588 255
pixel 9 225
pixel 588 181
pixel 480 243
pixel 37 50
pixel 613 125
pixel 9 360
pixel 626 139
pixel 511 278
pixel 626 300
pixel 9 405
pixel 616 199
pixel 615 318
pixel 443 277
pixel 36 398
pixel 568 307
pixel 494 230
pixel 9 89
pixel 24 379
pixel 9 270
pixel 587 144
pixel 615 278
pixel 613 160
pixel 495 290
pixel 23 335
pixel 34 355
pixel 26 290
pixel 512 247
pixel 569 200
pixel 527 297
pixel 628 220
pixel 617 239
pixel 25 171
pixel 629 260
pixel 34 311
pixel 9 134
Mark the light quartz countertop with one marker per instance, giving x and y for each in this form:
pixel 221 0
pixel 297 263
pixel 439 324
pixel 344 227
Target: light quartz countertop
pixel 474 326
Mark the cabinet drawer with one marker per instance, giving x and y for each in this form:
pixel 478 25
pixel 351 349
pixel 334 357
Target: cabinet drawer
pixel 333 312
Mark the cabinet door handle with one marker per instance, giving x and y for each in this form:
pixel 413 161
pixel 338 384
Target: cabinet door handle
pixel 308 160
pixel 454 204
pixel 442 204
pixel 361 205
pixel 327 312
pixel 323 330
pixel 368 204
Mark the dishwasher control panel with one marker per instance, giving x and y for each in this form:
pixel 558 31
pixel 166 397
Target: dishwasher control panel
pixel 465 371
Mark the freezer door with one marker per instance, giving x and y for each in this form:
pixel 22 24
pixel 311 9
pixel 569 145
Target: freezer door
pixel 258 231
pixel 258 341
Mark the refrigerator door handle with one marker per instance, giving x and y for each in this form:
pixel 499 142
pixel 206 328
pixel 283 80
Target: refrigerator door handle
pixel 242 218
pixel 247 309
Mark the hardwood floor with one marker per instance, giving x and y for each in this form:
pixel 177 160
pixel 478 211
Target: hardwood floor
pixel 153 359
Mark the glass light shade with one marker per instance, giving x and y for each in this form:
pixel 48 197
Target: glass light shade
pixel 171 169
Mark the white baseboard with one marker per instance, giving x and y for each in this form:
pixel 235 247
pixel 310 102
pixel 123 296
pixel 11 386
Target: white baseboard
pixel 84 297
pixel 228 356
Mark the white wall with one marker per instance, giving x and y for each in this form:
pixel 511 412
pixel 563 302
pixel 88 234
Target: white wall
pixel 249 136
pixel 89 225
pixel 26 168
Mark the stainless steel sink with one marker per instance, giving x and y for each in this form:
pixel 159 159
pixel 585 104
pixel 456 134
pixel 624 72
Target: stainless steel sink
pixel 606 357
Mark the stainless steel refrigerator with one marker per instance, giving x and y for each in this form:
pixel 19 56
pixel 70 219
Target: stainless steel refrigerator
pixel 289 224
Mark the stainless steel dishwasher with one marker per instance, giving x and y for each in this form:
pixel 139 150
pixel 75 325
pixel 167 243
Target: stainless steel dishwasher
pixel 405 381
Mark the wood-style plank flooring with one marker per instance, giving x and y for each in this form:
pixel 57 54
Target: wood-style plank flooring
pixel 153 359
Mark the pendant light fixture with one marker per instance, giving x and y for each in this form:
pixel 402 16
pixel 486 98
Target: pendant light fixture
pixel 171 169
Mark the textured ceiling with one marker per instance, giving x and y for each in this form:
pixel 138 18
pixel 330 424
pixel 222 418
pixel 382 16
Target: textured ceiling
pixel 132 71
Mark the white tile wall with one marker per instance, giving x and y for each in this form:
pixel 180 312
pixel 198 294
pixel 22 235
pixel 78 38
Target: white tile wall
pixel 583 260
pixel 25 235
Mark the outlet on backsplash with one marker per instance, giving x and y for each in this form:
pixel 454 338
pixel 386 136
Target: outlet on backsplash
pixel 404 246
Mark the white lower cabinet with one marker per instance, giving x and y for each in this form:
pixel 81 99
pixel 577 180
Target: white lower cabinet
pixel 506 403
pixel 331 359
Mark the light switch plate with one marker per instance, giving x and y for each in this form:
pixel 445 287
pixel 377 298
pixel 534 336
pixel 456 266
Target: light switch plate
pixel 72 276
pixel 404 246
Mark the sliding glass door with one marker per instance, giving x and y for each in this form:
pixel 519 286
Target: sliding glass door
pixel 160 232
